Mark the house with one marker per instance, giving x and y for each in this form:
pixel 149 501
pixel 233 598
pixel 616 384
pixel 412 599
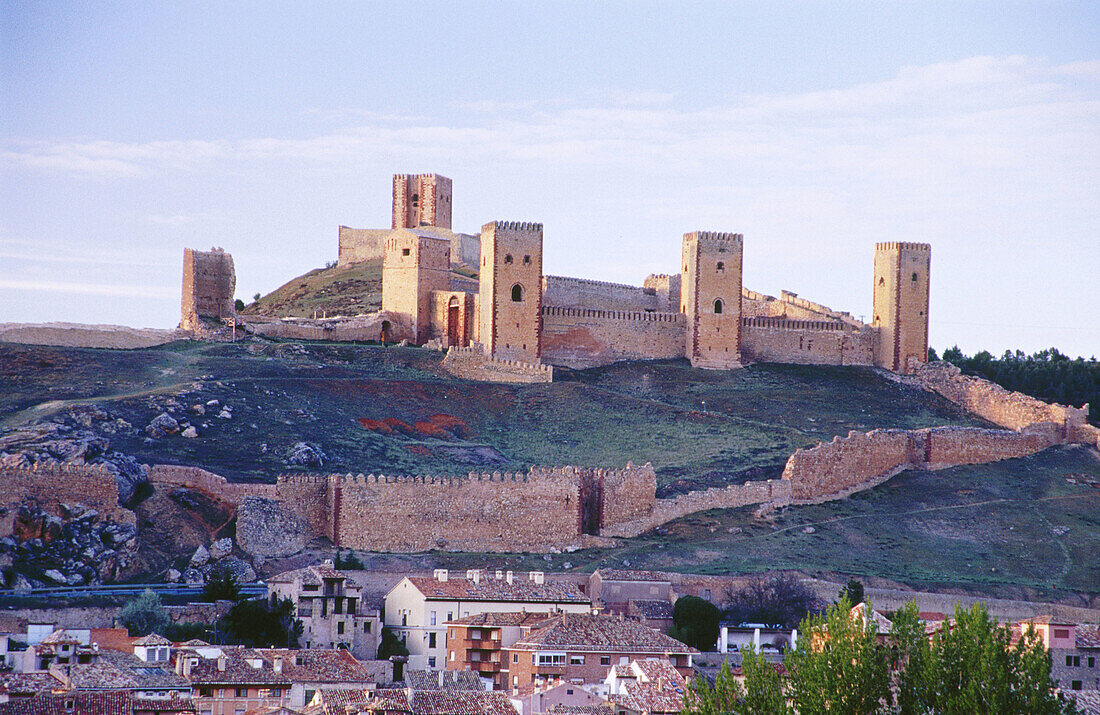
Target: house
pixel 1074 650
pixel 458 702
pixel 580 648
pixel 645 687
pixel 476 643
pixel 332 609
pixel 613 589
pixel 418 608
pixel 755 636
pixel 114 702
pixel 655 614
pixel 550 697
pixel 150 678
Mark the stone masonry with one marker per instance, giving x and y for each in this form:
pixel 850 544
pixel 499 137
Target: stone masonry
pixel 209 283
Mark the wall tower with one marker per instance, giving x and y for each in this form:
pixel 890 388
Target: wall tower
pixel 209 283
pixel 414 264
pixel 710 297
pixel 901 305
pixel 421 200
pixel 510 290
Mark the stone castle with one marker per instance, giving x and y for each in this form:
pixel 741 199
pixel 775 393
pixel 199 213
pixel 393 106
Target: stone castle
pixel 513 311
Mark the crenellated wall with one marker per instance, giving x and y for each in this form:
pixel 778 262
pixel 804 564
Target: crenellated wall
pixel 52 485
pixel 170 475
pixel 582 338
pixel 806 342
pixel 564 292
pixel 472 364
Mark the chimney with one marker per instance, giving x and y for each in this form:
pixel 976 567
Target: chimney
pixel 221 663
pixel 440 676
pixel 499 574
pixel 475 575
pixel 508 576
pixel 277 664
pixel 440 574
pixel 537 576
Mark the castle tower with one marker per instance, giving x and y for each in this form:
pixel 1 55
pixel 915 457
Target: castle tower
pixel 510 290
pixel 209 282
pixel 901 305
pixel 421 200
pixel 414 264
pixel 710 297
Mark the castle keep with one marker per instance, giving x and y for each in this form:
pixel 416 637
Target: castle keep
pixel 514 312
pixel 209 282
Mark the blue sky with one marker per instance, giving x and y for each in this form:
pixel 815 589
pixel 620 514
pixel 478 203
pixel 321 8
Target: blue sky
pixel 131 130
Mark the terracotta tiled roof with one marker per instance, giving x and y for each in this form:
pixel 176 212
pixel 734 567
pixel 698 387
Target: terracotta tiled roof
pixel 661 690
pixel 448 680
pixel 1088 636
pixel 12 625
pixel 627 575
pixel 581 632
pixel 466 702
pixel 653 670
pixel 387 700
pixel 311 575
pixel 60 637
pixel 118 702
pixel 507 618
pixel 1048 619
pixel 653 609
pixel 173 704
pixel 239 670
pixel 152 640
pixel 337 700
pixel 1088 701
pixel 559 709
pixel 113 669
pixel 491 589
pixel 318 666
pixel 195 643
pixel 28 683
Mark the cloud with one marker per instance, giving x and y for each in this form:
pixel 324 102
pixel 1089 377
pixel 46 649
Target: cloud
pixel 102 289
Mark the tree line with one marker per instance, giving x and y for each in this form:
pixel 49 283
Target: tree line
pixel 1048 374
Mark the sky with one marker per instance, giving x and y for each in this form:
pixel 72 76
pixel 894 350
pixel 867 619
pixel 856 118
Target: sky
pixel 129 131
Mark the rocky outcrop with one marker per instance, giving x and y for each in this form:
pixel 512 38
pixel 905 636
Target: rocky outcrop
pixel 215 560
pixel 266 528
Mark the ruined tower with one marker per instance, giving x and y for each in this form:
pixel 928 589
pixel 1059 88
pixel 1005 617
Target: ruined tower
pixel 710 297
pixel 415 263
pixel 421 200
pixel 209 282
pixel 510 290
pixel 901 305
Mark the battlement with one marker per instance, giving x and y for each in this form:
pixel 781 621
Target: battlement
pixel 613 314
pixel 60 469
pixel 715 237
pixel 903 245
pixel 523 226
pixel 787 324
pixel 588 281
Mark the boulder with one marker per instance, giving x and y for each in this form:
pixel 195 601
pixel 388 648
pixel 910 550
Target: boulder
pixel 56 576
pixel 198 410
pixel 193 577
pixel 306 454
pixel 267 528
pixel 161 426
pixel 225 415
pixel 173 576
pixel 190 433
pixel 221 548
pixel 236 567
pixel 200 557
pixel 212 404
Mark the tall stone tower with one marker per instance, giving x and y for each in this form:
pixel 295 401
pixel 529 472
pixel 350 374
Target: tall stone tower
pixel 421 200
pixel 209 282
pixel 710 297
pixel 510 290
pixel 414 264
pixel 901 305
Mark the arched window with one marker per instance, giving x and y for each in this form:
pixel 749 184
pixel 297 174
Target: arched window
pixel 914 277
pixel 527 260
pixel 508 258
pixel 721 266
pixel 517 293
pixel 882 281
pixel 416 199
pixel 718 306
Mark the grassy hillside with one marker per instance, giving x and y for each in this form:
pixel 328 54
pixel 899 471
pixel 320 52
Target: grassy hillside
pixel 349 290
pixel 340 396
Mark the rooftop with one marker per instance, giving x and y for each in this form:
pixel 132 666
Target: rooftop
pixel 653 609
pixel 491 589
pixel 628 575
pixel 311 575
pixel 581 632
pixel 507 618
pixel 114 669
pixel 443 680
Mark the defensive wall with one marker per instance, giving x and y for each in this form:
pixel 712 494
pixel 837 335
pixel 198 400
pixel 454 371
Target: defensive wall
pixel 805 342
pixel 173 476
pixel 209 283
pixel 51 485
pixel 585 337
pixel 535 511
pixel 78 335
pixel 471 363
pixel 360 328
pixel 565 292
pixel 356 245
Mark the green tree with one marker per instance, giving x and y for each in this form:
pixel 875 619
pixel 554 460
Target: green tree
pixel 144 614
pixel 390 646
pixel 725 696
pixel 853 591
pixel 238 305
pixel 909 653
pixel 777 600
pixel 221 586
pixel 973 668
pixel 255 297
pixel 763 688
pixel 179 632
pixel 837 666
pixel 351 561
pixel 695 622
pixel 260 623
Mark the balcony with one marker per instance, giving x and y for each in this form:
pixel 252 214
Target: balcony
pixel 557 669
pixel 481 644
pixel 483 666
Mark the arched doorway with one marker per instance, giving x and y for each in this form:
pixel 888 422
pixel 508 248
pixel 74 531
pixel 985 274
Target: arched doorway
pixel 454 323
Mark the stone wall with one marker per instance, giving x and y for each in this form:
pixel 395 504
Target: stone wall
pixel 625 495
pixel 667 289
pixel 360 244
pixel 307 496
pixel 173 476
pixel 52 485
pixel 473 364
pixel 582 338
pixel 566 292
pixel 1013 410
pixel 79 335
pixel 805 342
pixel 209 283
pixel 358 329
pixel 952 446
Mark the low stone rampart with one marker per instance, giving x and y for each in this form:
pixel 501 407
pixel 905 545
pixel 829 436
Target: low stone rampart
pixel 173 476
pixel 473 364
pixel 78 335
pixel 805 342
pixel 582 337
pixel 1013 410
pixel 56 484
pixel 360 328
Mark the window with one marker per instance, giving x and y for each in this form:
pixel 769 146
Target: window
pixel 241 692
pixel 404 251
pixel 366 627
pixel 1075 685
pixel 527 260
pixel 404 619
pixel 576 660
pixel 206 692
pixel 1061 633
pixel 718 306
pixel 551 659
pixel 431 618
pixel 882 281
pixel 338 606
pixel 515 657
pixel 431 661
pixel 452 655
pixel 450 615
pixel 340 628
pixel 605 660
pixel 721 266
pixel 1073 661
pixel 914 277
pixel 431 640
pixel 1092 662
pixel 624 660
pixel 517 293
pixel 508 258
